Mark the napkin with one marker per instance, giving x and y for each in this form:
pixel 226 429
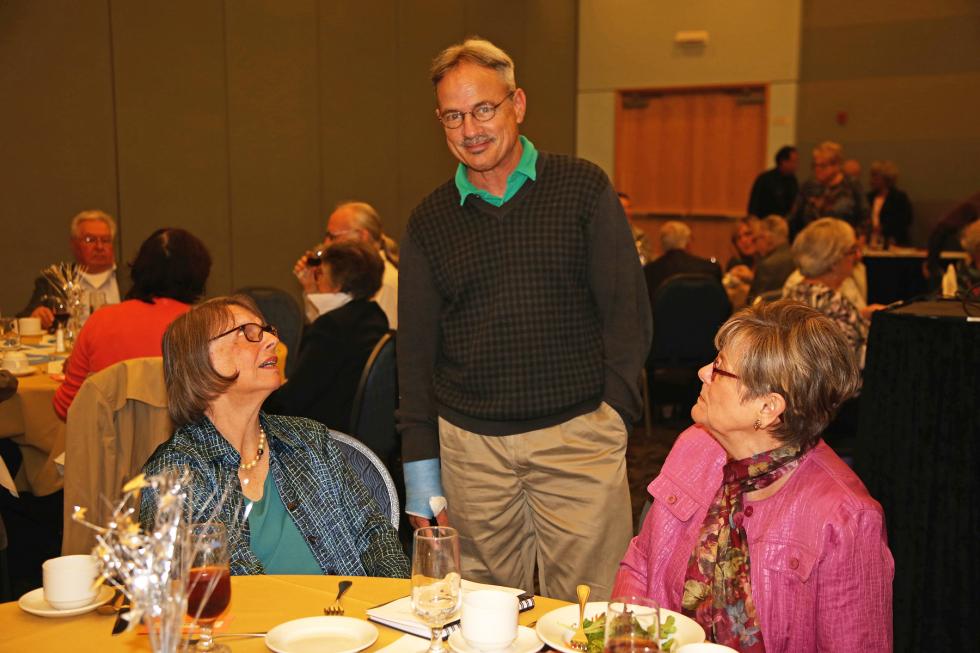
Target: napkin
pixel 398 614
pixel 949 282
pixel 6 480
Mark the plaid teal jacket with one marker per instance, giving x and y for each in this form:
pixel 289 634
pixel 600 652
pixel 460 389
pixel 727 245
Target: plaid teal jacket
pixel 345 529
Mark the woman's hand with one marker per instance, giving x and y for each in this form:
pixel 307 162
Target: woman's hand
pixel 45 314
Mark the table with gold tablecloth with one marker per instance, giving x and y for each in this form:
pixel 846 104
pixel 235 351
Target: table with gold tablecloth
pixel 29 419
pixel 258 604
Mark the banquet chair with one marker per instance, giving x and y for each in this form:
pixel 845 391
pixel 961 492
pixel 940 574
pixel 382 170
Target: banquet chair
pixel 117 420
pixel 688 309
pixel 372 419
pixel 372 472
pixel 281 310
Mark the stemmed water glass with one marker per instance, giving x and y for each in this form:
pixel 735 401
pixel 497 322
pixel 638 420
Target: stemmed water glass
pixel 436 594
pixel 632 626
pixel 209 582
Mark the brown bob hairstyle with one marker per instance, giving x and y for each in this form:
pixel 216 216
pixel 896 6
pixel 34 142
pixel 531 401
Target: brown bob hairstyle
pixel 355 267
pixel 192 382
pixel 795 351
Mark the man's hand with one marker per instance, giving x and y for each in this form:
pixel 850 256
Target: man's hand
pixel 421 522
pixel 46 315
pixel 305 274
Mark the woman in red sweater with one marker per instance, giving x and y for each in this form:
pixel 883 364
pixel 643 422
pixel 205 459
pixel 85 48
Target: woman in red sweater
pixel 169 274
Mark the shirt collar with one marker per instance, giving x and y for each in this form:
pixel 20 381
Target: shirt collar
pixel 216 447
pixel 526 169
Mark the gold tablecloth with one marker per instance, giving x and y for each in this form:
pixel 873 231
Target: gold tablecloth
pixel 258 604
pixel 29 419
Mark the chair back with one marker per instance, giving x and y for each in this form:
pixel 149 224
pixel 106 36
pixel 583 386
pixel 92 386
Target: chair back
pixel 116 421
pixel 372 472
pixel 687 311
pixel 282 310
pixel 372 419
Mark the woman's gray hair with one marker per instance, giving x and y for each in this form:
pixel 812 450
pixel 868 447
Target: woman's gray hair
pixel 478 51
pixel 793 350
pixel 970 239
pixel 823 243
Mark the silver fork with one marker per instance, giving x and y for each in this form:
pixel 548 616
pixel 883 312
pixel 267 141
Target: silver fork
pixel 335 608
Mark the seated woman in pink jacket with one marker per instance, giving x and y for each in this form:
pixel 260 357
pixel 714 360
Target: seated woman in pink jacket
pixel 758 530
pixel 169 274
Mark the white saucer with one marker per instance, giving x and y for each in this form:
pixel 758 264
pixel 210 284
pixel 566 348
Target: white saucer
pixel 34 603
pixel 25 371
pixel 527 642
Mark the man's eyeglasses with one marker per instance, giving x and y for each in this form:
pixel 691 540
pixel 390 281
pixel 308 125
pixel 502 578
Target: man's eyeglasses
pixel 716 371
pixel 482 112
pixel 91 240
pixel 252 331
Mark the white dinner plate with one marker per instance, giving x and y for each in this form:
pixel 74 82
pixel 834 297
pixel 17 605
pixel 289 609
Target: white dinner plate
pixel 527 642
pixel 557 627
pixel 321 635
pixel 34 603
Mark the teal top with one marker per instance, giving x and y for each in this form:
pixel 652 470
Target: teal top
pixel 275 540
pixel 526 169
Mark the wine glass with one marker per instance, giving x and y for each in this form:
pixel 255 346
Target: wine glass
pixel 209 582
pixel 632 626
pixel 436 594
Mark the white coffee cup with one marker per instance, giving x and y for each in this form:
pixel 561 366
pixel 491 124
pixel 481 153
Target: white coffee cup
pixel 15 361
pixel 489 619
pixel 30 326
pixel 69 581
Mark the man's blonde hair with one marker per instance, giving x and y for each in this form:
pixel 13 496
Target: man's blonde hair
pixel 478 51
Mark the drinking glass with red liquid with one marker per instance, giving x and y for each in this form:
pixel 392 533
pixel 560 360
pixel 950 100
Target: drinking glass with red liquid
pixel 209 582
pixel 632 626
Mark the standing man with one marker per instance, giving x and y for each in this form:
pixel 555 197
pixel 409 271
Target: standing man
pixel 775 190
pixel 92 236
pixel 524 327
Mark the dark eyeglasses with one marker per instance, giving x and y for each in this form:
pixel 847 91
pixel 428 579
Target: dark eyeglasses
pixel 715 371
pixel 252 331
pixel 482 112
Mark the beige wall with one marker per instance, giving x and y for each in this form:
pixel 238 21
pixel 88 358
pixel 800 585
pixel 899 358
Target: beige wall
pixel 907 73
pixel 243 121
pixel 625 44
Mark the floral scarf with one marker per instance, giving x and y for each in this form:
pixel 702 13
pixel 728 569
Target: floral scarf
pixel 717 586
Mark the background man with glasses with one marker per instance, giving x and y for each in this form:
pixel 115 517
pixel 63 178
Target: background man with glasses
pixel 524 325
pixel 92 236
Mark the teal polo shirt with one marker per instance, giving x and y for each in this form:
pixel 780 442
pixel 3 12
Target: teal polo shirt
pixel 526 169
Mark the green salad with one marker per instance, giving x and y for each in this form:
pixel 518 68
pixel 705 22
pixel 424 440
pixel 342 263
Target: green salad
pixel 595 632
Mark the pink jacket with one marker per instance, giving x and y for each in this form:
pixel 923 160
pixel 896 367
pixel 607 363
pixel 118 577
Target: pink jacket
pixel 820 565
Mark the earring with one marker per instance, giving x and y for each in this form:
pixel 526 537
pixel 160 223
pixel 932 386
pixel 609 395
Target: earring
pixel 757 425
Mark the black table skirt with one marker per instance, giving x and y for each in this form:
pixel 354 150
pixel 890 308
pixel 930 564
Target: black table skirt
pixel 917 451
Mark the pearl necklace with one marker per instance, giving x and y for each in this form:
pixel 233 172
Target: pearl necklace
pixel 258 456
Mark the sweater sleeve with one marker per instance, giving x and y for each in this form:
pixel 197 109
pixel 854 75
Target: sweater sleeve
pixel 620 293
pixel 419 307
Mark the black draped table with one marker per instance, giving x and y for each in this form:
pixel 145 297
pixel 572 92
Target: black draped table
pixel 918 451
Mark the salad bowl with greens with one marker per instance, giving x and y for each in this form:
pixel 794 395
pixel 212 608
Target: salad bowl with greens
pixel 557 627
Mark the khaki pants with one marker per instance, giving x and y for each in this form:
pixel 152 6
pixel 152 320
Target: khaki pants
pixel 557 497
